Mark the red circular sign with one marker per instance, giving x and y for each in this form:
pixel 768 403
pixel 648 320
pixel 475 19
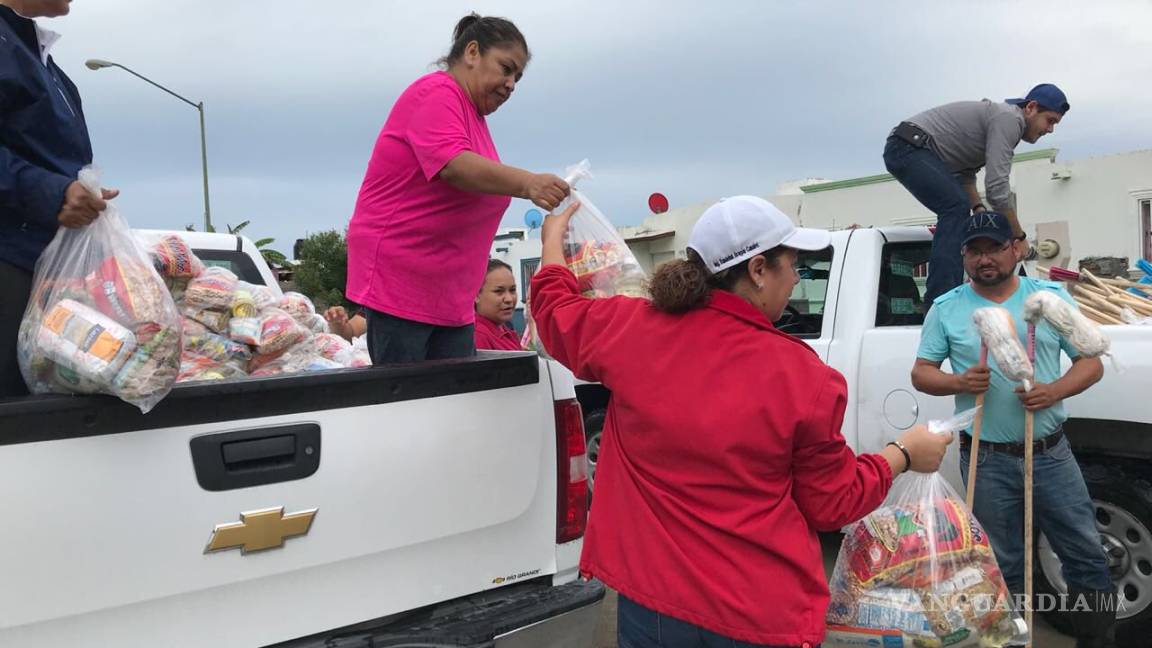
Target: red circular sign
pixel 658 203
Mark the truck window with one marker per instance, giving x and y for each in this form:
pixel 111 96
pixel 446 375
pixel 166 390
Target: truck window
pixel 804 317
pixel 528 268
pixel 903 272
pixel 238 262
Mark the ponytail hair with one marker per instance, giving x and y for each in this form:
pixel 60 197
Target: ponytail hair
pixel 684 284
pixel 488 32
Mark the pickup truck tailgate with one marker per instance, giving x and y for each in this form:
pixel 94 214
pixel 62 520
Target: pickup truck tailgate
pixel 433 481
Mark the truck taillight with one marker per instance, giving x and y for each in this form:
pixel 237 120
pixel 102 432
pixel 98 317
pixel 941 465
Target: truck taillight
pixel 571 472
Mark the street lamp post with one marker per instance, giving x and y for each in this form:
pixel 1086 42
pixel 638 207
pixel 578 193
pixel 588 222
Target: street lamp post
pixel 96 64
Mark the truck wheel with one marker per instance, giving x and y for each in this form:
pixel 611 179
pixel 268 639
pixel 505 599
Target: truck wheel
pixel 593 428
pixel 1124 517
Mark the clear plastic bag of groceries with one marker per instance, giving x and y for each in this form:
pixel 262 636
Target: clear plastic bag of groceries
pixel 100 319
pixel 919 571
pixel 360 356
pixel 594 250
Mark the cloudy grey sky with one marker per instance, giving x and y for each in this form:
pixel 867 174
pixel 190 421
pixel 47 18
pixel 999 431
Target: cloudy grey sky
pixel 693 99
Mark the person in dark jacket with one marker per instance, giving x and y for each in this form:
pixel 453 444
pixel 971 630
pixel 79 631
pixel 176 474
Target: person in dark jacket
pixel 43 145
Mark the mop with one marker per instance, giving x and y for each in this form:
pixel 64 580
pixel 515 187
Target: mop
pixel 1090 342
pixel 998 336
pixel 1084 336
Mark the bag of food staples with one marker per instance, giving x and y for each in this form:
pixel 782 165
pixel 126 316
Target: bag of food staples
pixel 100 319
pixel 919 571
pixel 594 251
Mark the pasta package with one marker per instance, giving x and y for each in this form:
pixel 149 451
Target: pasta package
pixel 892 541
pixel 333 347
pixel 214 320
pixel 126 290
pixel 297 305
pixel 262 298
pixel 212 290
pixel 174 259
pixel 278 332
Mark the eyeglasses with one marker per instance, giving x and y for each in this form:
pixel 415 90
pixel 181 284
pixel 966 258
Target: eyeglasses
pixel 974 253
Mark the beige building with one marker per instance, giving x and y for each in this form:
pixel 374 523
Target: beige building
pixel 1098 206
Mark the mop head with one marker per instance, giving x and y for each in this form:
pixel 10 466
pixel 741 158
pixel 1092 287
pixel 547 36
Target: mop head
pixel 998 332
pixel 1081 332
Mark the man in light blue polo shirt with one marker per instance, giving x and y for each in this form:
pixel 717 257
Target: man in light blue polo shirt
pixel 1064 511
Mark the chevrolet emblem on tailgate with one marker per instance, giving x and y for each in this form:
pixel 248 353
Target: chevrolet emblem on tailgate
pixel 260 530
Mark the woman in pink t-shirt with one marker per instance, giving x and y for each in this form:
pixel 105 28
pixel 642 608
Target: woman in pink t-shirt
pixel 433 197
pixel 495 306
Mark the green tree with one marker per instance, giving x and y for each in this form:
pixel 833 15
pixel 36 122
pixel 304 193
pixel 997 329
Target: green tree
pixel 322 269
pixel 273 258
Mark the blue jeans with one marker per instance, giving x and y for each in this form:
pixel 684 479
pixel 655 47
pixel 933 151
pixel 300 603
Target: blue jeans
pixel 1061 506
pixel 925 175
pixel 15 288
pixel 394 339
pixel 639 627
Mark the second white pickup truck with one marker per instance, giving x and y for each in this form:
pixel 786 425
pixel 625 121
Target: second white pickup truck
pixel 859 304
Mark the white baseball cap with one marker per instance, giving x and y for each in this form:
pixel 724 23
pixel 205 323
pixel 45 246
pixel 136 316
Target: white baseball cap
pixel 741 227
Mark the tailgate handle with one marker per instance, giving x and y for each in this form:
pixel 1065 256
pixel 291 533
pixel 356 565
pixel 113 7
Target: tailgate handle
pixel 256 456
pixel 259 453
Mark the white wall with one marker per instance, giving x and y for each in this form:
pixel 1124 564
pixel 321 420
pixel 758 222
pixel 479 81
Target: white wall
pixel 1098 201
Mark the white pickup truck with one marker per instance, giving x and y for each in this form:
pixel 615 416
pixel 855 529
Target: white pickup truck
pixel 438 504
pixel 859 305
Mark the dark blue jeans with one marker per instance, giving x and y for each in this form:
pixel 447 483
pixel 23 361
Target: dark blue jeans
pixel 15 287
pixel 639 627
pixel 925 175
pixel 1061 506
pixel 394 339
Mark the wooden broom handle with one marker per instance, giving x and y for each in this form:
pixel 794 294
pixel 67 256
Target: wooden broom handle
pixel 977 423
pixel 1028 437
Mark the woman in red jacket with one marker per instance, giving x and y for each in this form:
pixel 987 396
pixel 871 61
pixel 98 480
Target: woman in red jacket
pixel 495 306
pixel 722 454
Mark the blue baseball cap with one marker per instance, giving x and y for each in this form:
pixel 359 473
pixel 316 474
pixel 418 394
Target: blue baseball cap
pixel 989 225
pixel 1047 95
